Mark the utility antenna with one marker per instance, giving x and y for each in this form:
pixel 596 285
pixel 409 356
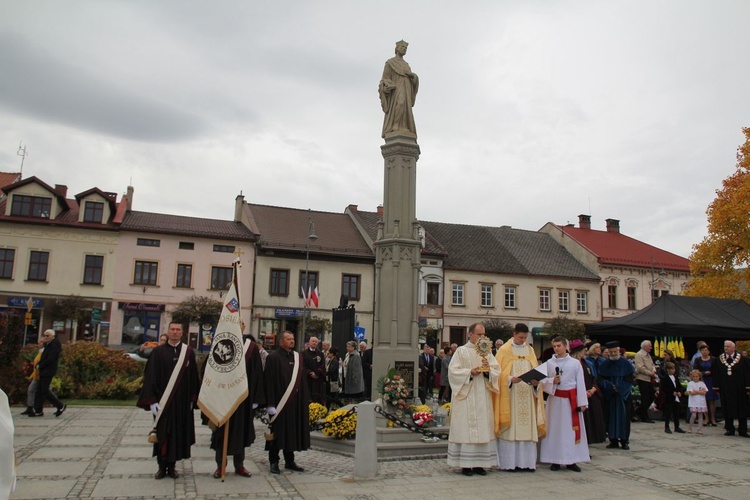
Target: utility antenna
pixel 23 154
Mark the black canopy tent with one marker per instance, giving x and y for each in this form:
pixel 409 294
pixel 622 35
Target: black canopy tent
pixel 696 318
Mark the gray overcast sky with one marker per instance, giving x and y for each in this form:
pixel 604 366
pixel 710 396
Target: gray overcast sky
pixel 528 111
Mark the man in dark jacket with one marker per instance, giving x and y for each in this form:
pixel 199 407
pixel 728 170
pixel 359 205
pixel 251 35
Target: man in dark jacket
pixel 291 427
pixel 47 369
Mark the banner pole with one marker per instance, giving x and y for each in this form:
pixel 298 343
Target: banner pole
pixel 224 453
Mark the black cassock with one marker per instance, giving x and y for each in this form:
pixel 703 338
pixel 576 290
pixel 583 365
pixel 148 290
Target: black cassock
pixel 176 429
pixel 734 399
pixel 241 426
pixel 593 417
pixel 292 427
pixel 315 363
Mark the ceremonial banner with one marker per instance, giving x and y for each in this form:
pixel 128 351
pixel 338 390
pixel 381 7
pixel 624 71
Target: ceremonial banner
pixel 225 379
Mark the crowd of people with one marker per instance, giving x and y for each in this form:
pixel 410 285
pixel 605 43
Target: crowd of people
pixel 505 403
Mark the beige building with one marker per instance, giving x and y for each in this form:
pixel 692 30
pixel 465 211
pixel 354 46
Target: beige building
pixel 53 247
pixel 633 273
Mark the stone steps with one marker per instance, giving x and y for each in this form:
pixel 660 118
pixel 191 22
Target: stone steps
pixel 391 442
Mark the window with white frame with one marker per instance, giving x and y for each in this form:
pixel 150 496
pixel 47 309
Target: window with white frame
pixel 563 301
pixel 544 300
pixel 486 297
pixel 457 294
pixel 582 299
pixel 510 297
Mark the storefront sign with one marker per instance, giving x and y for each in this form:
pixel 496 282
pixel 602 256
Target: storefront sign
pixel 141 306
pixel 23 302
pixel 289 312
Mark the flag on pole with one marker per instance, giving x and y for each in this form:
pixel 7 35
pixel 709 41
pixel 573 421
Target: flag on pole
pixel 305 296
pixel 225 384
pixel 315 296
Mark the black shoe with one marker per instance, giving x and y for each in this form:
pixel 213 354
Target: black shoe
pixel 28 411
pixel 294 467
pixel 573 467
pixel 613 444
pixel 648 421
pixel 275 468
pixel 625 446
pixel 744 435
pixel 61 410
pixel 40 414
pixel 160 474
pixel 173 473
pixel 467 472
pixel 554 467
pixel 679 430
pixel 728 433
pixel 479 471
pixel 668 430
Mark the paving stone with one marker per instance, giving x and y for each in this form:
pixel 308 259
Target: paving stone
pixel 134 489
pixel 43 488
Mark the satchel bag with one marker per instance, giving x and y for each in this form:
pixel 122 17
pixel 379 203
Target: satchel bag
pixel 335 387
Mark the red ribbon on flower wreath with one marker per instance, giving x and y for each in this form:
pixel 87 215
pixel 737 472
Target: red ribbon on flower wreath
pixel 422 417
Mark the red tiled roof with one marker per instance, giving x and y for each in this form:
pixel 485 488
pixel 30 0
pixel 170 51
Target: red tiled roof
pixel 149 222
pixel 612 247
pixel 8 178
pixel 287 229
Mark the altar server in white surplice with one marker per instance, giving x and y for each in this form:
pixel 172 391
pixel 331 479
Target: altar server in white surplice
pixel 566 442
pixel 471 444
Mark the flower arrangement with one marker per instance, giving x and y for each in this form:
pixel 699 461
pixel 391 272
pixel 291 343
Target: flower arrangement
pixel 421 409
pixel 393 389
pixel 422 418
pixel 317 412
pixel 341 429
pixel 446 406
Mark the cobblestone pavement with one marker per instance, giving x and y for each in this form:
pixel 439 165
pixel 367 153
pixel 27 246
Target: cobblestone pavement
pixel 97 452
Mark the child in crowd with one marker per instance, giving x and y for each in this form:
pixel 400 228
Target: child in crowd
pixel 671 391
pixel 697 390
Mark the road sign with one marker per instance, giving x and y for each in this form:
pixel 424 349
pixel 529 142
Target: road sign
pixel 359 333
pixel 27 320
pixel 96 315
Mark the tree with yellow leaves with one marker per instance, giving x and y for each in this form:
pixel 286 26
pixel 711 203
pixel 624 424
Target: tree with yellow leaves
pixel 720 264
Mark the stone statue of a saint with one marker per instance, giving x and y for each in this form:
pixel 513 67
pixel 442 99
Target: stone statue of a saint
pixel 398 92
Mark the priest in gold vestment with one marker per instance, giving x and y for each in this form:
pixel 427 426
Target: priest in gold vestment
pixel 519 407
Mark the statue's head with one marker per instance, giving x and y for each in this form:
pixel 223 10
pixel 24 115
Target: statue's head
pixel 401 45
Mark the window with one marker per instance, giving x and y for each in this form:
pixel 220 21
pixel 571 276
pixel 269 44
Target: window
pixel 655 294
pixel 433 294
pixel 184 276
pixel 486 295
pixel 38 266
pixel 563 301
pixel 92 270
pixel 147 242
pixel 221 278
pixel 279 282
pixel 31 206
pixel 7 256
pixel 350 286
pixel 312 278
pixel 612 296
pixel 510 297
pixel 145 273
pixel 631 298
pixel 544 300
pixel 93 211
pixel 187 245
pixel 582 302
pixel 224 248
pixel 457 294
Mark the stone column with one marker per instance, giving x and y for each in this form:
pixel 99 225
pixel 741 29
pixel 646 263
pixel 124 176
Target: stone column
pixel 397 263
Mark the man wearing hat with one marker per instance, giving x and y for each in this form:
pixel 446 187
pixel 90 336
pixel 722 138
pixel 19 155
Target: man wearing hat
pixel 616 381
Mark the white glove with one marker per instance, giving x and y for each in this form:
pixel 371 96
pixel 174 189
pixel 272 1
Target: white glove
pixel 155 408
pixel 271 410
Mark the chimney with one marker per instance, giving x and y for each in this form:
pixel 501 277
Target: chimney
pixel 380 210
pixel 613 226
pixel 62 190
pixel 352 208
pixel 238 202
pixel 584 221
pixel 129 195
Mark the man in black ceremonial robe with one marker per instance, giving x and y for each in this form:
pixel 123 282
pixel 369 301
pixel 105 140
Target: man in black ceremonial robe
pixel 291 428
pixel 241 427
pixel 315 371
pixel 175 430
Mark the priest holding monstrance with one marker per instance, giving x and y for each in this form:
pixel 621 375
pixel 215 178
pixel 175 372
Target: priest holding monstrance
pixel 473 375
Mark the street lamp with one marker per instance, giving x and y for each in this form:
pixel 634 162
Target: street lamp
pixel 311 237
